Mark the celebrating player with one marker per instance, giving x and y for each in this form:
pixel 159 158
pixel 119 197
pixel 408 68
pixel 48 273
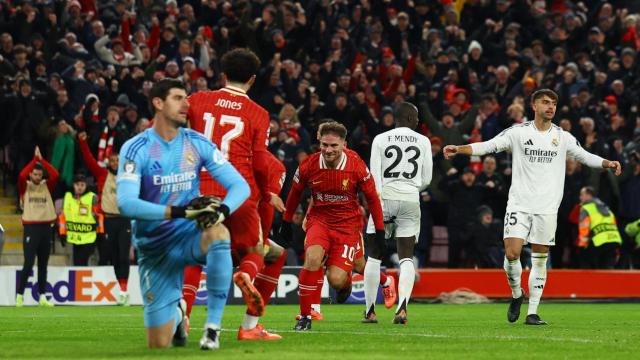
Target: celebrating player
pixel 335 175
pixel 158 186
pixel 240 128
pixel 401 166
pixel 539 152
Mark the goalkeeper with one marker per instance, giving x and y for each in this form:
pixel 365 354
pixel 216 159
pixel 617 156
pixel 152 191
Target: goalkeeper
pixel 158 187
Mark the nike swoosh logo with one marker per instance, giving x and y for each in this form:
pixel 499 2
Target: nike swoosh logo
pixel 316 182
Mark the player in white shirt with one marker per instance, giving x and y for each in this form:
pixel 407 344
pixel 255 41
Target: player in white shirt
pixel 401 165
pixel 539 149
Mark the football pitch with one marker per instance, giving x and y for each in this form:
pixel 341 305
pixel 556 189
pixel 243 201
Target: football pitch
pixel 576 330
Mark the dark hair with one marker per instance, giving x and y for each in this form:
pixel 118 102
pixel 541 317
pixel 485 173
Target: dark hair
pixel 38 166
pixel 544 92
pixel 406 115
pixel 589 190
pixel 239 65
pixel 332 127
pixel 162 88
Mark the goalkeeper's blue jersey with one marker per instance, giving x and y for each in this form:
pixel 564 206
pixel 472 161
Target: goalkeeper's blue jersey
pixel 154 173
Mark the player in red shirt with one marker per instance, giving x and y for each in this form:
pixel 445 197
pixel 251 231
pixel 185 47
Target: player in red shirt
pixel 334 223
pixel 270 179
pixel 240 128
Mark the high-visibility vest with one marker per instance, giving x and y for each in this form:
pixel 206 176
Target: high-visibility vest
pixel 80 223
pixel 603 228
pixel 633 230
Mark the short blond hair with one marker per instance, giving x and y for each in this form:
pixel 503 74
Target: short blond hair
pixel 332 127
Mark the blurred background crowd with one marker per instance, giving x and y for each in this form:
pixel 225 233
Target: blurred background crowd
pixel 86 66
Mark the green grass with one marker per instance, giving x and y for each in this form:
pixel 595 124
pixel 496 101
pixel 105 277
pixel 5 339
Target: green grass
pixel 585 331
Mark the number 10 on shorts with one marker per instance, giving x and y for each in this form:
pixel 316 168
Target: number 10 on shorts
pixel 348 252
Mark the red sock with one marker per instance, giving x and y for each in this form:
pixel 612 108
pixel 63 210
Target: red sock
pixel 191 283
pixel 123 284
pixel 383 279
pixel 317 295
pixel 308 284
pixel 267 280
pixel 251 264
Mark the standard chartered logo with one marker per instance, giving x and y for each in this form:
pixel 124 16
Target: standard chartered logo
pixel 175 181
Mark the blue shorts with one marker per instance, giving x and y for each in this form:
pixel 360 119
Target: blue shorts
pixel 162 273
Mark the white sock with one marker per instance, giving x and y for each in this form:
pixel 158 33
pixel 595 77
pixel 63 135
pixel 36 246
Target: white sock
pixel 405 282
pixel 315 307
pixel 513 268
pixel 249 322
pixel 537 280
pixel 371 282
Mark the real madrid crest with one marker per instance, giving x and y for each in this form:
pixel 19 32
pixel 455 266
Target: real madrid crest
pixel 554 142
pixel 190 158
pixel 129 167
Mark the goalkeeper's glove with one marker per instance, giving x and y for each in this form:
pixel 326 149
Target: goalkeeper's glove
pixel 207 210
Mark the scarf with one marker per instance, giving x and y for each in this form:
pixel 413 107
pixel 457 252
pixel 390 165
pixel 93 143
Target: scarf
pixel 105 146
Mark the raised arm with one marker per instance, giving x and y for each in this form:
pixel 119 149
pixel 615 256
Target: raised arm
pixel 499 143
pixel 95 169
pixel 591 160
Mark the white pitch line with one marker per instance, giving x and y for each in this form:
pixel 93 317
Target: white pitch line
pixel 444 336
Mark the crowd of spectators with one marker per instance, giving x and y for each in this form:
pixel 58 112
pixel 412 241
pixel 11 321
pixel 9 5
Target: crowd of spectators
pixel 68 67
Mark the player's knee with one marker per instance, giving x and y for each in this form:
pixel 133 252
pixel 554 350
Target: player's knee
pixel 158 342
pixel 313 258
pixel 218 232
pixel 312 263
pixel 337 279
pixel 512 254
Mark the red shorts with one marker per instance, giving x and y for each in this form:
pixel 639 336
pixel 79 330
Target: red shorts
pixel 244 226
pixel 340 248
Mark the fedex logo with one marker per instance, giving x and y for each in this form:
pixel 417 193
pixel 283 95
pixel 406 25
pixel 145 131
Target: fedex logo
pixel 79 287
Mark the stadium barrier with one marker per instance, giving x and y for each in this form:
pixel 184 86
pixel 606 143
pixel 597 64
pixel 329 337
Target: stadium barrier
pixel 98 286
pixel 561 284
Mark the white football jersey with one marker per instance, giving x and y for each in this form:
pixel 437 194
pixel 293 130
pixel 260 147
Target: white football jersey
pixel 539 164
pixel 401 164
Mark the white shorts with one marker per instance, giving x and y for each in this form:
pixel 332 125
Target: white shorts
pixel 405 215
pixel 532 228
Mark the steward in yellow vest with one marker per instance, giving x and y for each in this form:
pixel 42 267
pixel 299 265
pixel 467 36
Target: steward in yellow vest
pixel 598 231
pixel 633 230
pixel 80 223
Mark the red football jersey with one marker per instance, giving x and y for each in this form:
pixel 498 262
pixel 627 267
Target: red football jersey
pixel 236 124
pixel 270 174
pixel 335 192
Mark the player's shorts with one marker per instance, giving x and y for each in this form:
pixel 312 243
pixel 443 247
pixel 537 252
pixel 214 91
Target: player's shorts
pixel 244 226
pixel 340 248
pixel 161 273
pixel 405 215
pixel 532 228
